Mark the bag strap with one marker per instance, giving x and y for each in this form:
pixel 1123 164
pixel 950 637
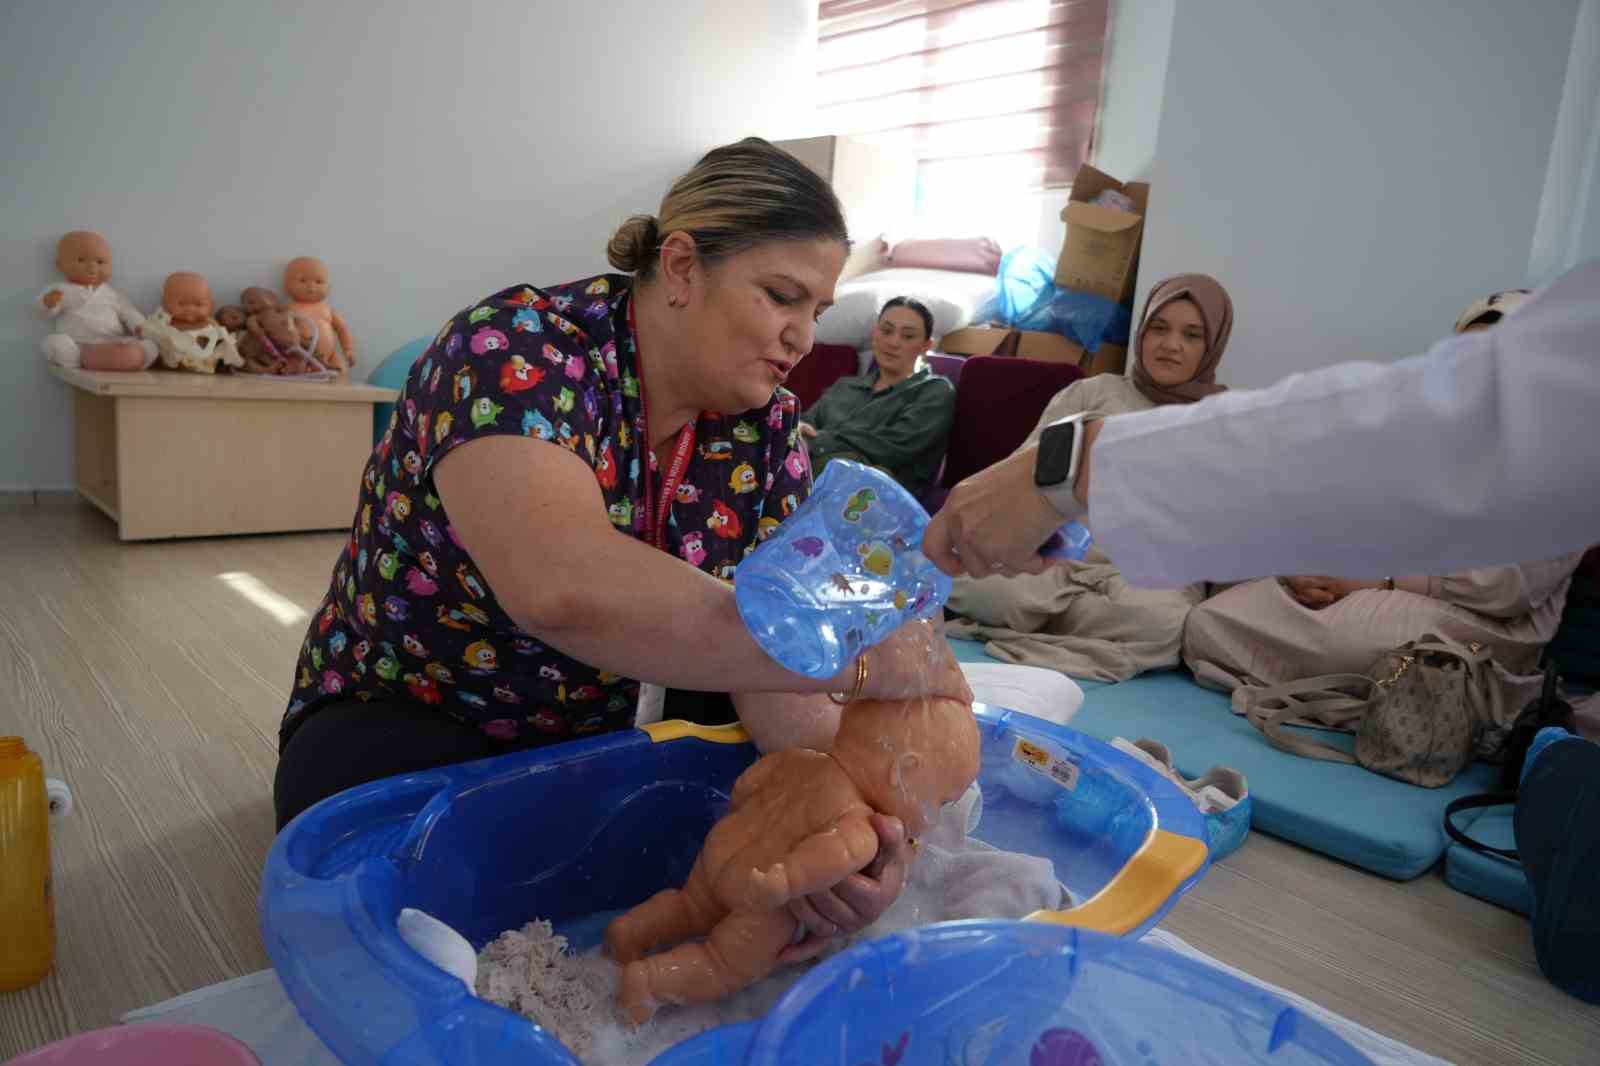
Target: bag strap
pixel 1467 803
pixel 1325 700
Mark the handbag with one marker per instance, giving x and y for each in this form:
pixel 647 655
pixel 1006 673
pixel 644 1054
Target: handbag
pixel 1420 715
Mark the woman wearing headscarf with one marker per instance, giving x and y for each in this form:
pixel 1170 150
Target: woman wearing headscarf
pixel 1082 618
pixel 1282 629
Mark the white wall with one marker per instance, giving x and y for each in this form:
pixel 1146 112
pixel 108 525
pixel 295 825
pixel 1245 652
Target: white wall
pixel 1568 231
pixel 429 152
pixel 1355 173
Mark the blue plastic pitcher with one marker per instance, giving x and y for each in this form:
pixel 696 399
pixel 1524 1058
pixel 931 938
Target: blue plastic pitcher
pixel 846 570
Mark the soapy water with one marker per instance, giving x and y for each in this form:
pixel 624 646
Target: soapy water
pixel 562 981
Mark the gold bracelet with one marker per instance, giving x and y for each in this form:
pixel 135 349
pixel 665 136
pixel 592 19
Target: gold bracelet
pixel 861 683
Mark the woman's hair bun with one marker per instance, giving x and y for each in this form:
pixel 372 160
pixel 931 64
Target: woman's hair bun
pixel 634 245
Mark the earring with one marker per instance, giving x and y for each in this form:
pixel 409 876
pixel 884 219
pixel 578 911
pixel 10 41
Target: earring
pixel 672 301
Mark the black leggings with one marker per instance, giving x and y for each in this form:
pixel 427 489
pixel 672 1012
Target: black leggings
pixel 349 743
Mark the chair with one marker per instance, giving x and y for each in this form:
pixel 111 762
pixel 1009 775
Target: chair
pixel 998 401
pixel 825 364
pixel 946 366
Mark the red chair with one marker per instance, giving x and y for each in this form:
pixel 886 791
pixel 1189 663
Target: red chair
pixel 825 364
pixel 998 401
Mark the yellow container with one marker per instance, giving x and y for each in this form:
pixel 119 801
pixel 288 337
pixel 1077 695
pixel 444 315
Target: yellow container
pixel 27 911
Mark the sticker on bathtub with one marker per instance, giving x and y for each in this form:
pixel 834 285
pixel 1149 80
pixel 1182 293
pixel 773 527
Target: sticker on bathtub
pixel 1062 771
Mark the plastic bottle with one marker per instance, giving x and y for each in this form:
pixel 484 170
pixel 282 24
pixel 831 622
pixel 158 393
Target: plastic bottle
pixel 27 911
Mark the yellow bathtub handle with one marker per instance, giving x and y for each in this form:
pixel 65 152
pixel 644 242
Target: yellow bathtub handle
pixel 677 729
pixel 1138 890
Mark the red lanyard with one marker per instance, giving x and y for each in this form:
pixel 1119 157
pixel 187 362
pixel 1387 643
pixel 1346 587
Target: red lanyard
pixel 656 512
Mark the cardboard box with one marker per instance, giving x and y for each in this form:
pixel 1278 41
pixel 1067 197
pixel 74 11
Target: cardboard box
pixel 1101 253
pixel 1045 347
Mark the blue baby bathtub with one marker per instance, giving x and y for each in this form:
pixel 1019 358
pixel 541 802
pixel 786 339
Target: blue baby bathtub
pixel 599 825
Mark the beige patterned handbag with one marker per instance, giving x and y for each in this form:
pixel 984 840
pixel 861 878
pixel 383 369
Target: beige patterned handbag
pixel 1425 711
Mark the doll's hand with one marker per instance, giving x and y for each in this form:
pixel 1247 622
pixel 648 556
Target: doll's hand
pixel 858 900
pixel 52 299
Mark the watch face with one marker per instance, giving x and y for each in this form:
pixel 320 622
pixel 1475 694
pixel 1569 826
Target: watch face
pixel 1055 455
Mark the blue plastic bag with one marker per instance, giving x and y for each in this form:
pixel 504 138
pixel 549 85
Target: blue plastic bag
pixel 1028 298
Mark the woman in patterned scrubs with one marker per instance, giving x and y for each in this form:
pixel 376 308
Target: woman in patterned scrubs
pixel 555 513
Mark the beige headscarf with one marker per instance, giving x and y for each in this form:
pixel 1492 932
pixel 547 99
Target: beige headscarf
pixel 1216 311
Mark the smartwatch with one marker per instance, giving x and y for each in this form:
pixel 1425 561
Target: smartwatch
pixel 1055 467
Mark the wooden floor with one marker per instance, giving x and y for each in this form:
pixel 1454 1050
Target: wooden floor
pixel 151 678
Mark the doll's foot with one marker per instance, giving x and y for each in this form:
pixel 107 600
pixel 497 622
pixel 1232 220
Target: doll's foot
pixel 634 997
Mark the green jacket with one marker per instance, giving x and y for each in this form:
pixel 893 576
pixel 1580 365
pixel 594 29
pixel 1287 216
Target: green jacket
pixel 903 429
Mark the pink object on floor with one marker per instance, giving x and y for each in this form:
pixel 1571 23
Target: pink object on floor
pixel 143 1045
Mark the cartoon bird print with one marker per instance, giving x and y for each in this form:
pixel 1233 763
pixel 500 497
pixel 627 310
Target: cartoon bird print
pixel 692 548
pixel 535 424
pixel 506 694
pixel 440 673
pixel 876 558
pixel 551 673
pixel 527 298
pixel 775 417
pixel 480 655
pixel 332 683
pixel 564 400
pixel 433 379
pixel 519 375
pixel 788 504
pixel 724 521
pixel 388 565
pixel 630 385
pixel 461 385
pixel 367 606
pixel 575 367
pixel 567 437
pixel 452 619
pixel 430 532
pixel 472 613
pixel 765 527
pixel 412 463
pixel 473 700
pixel 608 358
pixel 414 646
pixel 429 563
pixel 526 321
pixel 563 324
pixel 591 404
pixel 480 314
pixel 746 433
pixel 547 722
pixel 487 340
pixel 589 448
pixel 797 463
pixel 858 504
pixel 470 582
pixel 598 287
pixel 743 479
pixel 422 428
pixel 398 504
pixel 605 467
pixel 424 689
pixel 337 643
pixel 396 609
pixel 621 514
pixel 484 411
pixel 717 451
pixel 441 427
pixel 388 668
pixel 552 354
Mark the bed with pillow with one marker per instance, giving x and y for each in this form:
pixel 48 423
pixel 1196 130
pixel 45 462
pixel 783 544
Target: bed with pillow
pixel 953 277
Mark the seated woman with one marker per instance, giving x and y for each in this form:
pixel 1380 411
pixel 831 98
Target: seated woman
pixel 544 525
pixel 897 419
pixel 1082 618
pixel 1282 629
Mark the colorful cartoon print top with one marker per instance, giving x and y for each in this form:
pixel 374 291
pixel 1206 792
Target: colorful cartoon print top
pixel 408 615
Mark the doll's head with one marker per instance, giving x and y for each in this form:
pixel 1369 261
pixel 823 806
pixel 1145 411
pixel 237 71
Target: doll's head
pixel 84 258
pixel 909 757
pixel 257 300
pixel 306 280
pixel 231 318
pixel 187 298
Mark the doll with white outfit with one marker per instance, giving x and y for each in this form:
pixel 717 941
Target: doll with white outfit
pixel 188 337
pixel 97 328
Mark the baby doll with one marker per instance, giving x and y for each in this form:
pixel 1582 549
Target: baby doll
pixel 306 281
pixel 98 328
pixel 189 338
pixel 275 340
pixel 798 823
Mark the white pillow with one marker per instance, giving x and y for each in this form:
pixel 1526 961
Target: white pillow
pixel 953 297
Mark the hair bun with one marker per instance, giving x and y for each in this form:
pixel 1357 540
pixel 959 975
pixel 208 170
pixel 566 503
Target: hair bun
pixel 634 244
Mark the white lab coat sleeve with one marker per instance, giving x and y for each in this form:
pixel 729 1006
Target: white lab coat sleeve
pixel 1484 451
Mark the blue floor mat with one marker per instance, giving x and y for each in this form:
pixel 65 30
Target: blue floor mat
pixel 1353 814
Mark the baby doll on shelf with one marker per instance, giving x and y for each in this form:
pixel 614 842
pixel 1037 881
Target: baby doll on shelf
pixel 798 824
pixel 96 328
pixel 276 340
pixel 306 281
pixel 183 329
